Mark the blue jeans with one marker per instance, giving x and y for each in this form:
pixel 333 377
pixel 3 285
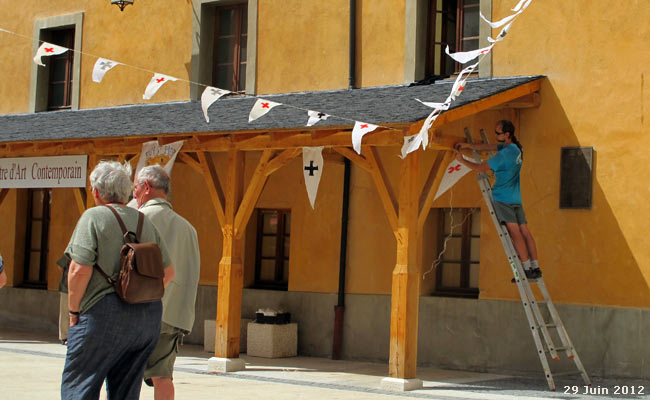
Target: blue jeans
pixel 111 342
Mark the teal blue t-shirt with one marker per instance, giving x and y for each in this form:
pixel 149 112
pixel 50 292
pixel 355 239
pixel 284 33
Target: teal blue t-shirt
pixel 506 165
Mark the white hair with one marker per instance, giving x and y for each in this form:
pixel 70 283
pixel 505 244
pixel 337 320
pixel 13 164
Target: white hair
pixel 156 176
pixel 112 181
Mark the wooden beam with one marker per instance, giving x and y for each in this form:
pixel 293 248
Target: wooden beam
pixel 354 157
pixel 405 291
pixel 252 194
pixel 230 282
pixel 3 194
pixel 190 161
pixel 431 186
pixel 382 184
pixel 531 100
pixel 212 181
pixel 488 102
pixel 281 159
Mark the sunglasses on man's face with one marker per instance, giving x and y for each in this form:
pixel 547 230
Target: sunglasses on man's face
pixel 498 133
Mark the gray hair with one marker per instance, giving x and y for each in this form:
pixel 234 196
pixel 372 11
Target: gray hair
pixel 112 181
pixel 156 176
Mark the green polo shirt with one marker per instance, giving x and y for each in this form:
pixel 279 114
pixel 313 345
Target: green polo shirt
pixel 97 239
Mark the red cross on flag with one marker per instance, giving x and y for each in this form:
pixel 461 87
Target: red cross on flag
pixel 209 96
pixel 102 66
pixel 459 84
pixel 467 56
pixel 48 49
pixel 260 108
pixel 155 83
pixel 455 170
pixel 359 130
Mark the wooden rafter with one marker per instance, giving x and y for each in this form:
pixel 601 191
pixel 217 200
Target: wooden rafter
pixel 190 161
pixel 252 194
pixel 382 184
pixel 80 199
pixel 354 157
pixel 212 181
pixel 3 194
pixel 280 160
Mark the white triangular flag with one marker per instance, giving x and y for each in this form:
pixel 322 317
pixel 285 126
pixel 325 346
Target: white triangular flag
pixel 501 22
pixel 455 171
pixel 155 83
pixel 501 34
pixel 102 66
pixel 464 57
pixel 48 49
pixel 260 108
pixel 522 5
pixel 459 83
pixel 411 143
pixel 209 96
pixel 315 116
pixel 360 129
pixel 312 166
pixel 439 106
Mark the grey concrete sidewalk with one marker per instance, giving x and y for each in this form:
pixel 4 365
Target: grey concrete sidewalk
pixel 31 368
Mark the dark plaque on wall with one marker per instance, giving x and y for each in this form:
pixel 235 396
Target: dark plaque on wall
pixel 576 175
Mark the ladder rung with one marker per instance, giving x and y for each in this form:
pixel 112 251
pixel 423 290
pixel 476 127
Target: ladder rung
pixel 550 325
pixel 560 349
pixel 565 373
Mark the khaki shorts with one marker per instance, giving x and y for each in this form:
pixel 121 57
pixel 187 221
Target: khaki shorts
pixel 161 362
pixel 510 213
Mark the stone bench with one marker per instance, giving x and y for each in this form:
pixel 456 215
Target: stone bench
pixel 272 341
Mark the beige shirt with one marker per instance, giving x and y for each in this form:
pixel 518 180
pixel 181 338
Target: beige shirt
pixel 182 243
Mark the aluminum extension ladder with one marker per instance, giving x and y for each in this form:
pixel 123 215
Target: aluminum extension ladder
pixel 536 321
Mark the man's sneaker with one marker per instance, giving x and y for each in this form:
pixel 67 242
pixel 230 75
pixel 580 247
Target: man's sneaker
pixel 530 274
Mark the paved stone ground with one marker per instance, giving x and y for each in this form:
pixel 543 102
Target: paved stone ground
pixel 31 365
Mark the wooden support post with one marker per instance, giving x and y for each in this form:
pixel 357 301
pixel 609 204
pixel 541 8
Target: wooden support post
pixel 90 200
pixel 405 293
pixel 230 283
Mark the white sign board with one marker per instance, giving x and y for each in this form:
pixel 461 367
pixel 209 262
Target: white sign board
pixel 43 172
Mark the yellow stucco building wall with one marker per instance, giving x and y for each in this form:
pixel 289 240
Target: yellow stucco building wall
pixel 594 96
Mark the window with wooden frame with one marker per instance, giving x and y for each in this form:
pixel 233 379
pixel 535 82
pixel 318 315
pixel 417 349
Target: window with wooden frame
pixel 457 273
pixel 36 241
pixel 454 23
pixel 60 70
pixel 272 249
pixel 231 36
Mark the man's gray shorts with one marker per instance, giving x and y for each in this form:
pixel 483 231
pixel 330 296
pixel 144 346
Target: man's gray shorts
pixel 510 213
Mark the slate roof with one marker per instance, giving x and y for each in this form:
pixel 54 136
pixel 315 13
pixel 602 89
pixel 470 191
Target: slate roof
pixel 378 105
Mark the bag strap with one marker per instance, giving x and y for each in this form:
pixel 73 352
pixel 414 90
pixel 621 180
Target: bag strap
pixel 124 231
pixel 119 219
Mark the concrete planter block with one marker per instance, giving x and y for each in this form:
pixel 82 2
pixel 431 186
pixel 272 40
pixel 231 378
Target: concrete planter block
pixel 272 341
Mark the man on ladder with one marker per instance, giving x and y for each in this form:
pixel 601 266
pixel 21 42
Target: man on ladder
pixel 506 191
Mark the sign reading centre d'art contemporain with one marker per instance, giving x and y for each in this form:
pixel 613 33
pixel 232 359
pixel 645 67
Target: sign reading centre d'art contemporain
pixel 43 172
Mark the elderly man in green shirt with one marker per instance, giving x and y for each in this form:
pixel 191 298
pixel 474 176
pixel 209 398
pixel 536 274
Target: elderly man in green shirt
pixel 151 187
